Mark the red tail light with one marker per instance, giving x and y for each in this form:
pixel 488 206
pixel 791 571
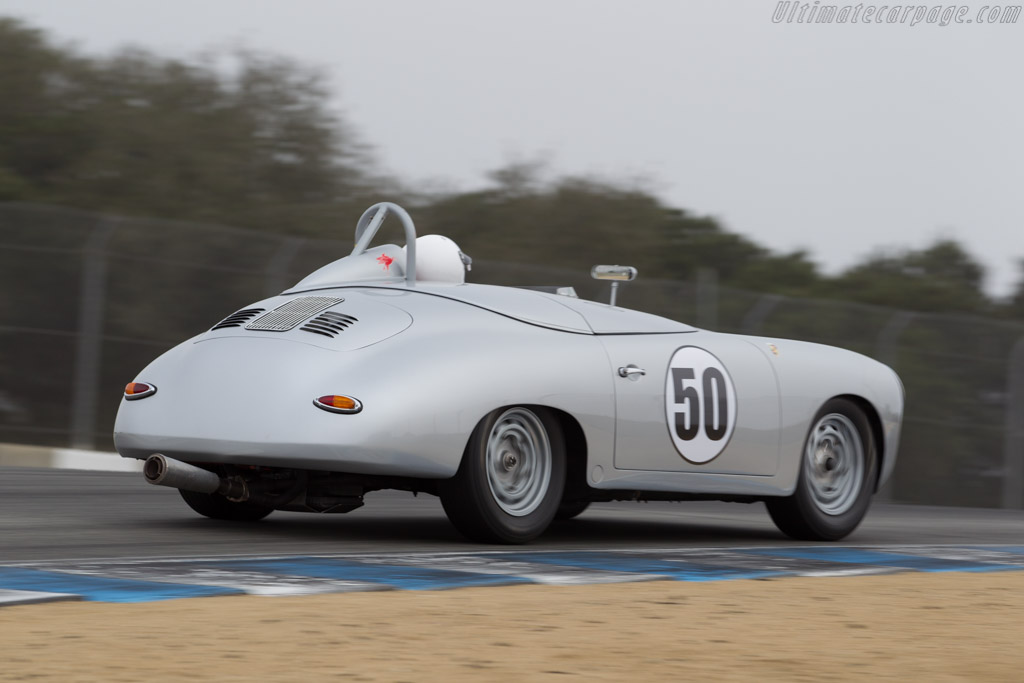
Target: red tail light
pixel 136 390
pixel 334 403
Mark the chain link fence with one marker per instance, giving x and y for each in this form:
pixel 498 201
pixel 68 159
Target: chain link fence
pixel 91 299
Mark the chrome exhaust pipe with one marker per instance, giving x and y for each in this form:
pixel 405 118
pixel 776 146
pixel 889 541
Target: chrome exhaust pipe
pixel 164 471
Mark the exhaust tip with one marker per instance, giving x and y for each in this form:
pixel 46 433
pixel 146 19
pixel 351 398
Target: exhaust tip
pixel 155 468
pixel 163 471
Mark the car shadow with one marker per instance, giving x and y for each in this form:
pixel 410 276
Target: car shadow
pixel 426 530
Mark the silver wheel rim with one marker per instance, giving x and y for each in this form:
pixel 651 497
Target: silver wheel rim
pixel 834 464
pixel 518 462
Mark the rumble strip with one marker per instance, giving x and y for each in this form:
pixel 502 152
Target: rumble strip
pixel 142 580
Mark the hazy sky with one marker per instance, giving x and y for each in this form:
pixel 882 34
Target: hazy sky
pixel 837 138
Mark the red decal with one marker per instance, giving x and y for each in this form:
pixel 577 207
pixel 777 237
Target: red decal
pixel 385 261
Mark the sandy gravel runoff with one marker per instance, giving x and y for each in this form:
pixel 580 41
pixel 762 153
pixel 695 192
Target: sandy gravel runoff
pixel 936 627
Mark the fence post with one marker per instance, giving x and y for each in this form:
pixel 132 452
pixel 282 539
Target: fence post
pixel 89 347
pixel 759 312
pixel 1013 449
pixel 707 298
pixel 276 272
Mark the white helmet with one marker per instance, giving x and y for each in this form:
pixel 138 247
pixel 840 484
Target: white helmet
pixel 439 259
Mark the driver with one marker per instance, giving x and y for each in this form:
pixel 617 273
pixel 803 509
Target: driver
pixel 439 259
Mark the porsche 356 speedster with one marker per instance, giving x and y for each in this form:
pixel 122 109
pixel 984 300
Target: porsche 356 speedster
pixel 386 370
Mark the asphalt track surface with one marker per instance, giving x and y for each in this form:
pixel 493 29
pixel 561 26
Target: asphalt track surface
pixel 50 514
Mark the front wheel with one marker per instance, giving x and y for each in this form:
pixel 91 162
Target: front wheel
pixel 510 482
pixel 838 468
pixel 218 507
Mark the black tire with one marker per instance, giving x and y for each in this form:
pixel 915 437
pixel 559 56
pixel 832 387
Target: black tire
pixel 571 508
pixel 488 507
pixel 828 507
pixel 218 507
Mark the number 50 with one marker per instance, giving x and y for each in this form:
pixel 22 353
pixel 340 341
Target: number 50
pixel 712 385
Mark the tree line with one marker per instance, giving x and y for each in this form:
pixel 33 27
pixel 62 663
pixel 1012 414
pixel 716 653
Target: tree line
pixel 259 145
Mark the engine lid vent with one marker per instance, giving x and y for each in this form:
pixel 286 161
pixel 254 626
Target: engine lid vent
pixel 329 324
pixel 287 316
pixel 238 318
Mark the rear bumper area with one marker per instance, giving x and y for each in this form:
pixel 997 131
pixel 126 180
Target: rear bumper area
pixel 306 456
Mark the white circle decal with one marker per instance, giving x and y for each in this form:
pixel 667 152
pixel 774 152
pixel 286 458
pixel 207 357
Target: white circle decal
pixel 700 404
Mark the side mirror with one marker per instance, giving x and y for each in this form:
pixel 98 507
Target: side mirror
pixel 620 273
pixel 615 274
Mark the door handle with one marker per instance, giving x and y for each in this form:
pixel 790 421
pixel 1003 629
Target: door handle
pixel 632 372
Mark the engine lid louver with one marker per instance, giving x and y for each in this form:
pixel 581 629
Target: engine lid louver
pixel 238 318
pixel 287 316
pixel 329 324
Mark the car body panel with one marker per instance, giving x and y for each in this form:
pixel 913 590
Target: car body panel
pixel 246 398
pixel 429 362
pixel 643 433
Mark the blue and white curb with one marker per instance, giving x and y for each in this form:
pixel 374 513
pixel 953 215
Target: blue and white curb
pixel 19 455
pixel 143 580
pixel 12 597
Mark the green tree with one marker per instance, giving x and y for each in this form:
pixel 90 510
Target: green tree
pixel 940 278
pixel 41 130
pixel 792 274
pixel 139 134
pixel 574 223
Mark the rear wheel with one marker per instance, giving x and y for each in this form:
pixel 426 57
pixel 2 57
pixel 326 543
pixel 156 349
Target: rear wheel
pixel 837 472
pixel 510 482
pixel 219 507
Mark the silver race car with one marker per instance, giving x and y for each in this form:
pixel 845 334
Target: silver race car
pixel 385 370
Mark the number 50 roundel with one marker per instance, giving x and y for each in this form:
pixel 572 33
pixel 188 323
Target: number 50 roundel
pixel 700 404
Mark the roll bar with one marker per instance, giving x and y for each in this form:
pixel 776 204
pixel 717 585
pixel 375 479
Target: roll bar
pixel 370 222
